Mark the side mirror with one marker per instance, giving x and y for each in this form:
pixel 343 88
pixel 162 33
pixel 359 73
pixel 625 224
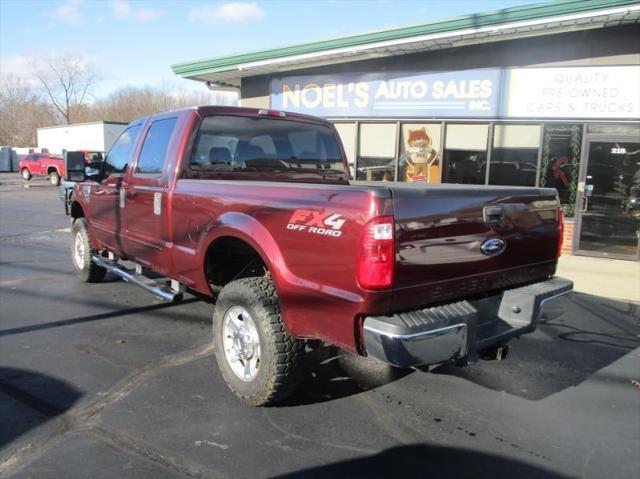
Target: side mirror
pixel 74 166
pixel 93 170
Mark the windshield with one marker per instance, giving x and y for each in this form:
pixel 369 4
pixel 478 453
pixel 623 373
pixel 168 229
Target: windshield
pixel 236 143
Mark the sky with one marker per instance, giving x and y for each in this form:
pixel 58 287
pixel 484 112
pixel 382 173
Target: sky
pixel 135 42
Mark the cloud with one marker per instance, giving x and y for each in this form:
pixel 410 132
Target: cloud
pixel 19 66
pixel 69 12
pixel 24 65
pixel 146 14
pixel 123 10
pixel 229 12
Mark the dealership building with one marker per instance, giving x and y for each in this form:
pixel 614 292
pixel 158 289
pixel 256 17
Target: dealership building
pixel 540 95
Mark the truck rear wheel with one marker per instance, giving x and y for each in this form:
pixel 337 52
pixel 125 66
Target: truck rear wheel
pixel 258 359
pixel 54 178
pixel 81 253
pixel 26 174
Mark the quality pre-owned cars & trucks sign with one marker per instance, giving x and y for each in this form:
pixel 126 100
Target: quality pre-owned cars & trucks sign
pixel 468 93
pixel 574 92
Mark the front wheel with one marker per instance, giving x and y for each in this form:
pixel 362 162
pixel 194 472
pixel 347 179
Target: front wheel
pixel 26 174
pixel 258 359
pixel 81 253
pixel 54 178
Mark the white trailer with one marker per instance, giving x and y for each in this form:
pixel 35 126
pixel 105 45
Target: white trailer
pixel 95 136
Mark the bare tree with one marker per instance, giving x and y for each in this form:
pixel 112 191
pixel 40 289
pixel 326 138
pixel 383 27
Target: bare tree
pixel 21 112
pixel 65 97
pixel 67 82
pixel 128 103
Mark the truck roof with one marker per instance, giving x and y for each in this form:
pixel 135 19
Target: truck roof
pixel 207 110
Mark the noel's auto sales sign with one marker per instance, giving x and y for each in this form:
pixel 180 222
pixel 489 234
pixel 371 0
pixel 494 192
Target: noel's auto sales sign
pixel 466 93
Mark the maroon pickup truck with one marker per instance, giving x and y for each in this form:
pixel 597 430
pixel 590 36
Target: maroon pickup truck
pixel 255 209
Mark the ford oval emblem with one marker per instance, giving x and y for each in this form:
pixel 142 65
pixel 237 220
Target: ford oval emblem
pixel 492 246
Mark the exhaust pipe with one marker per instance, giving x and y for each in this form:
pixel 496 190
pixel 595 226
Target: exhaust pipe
pixel 497 353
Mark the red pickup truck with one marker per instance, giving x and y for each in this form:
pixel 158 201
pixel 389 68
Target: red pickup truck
pixel 42 164
pixel 255 209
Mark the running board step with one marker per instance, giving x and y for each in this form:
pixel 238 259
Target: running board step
pixel 162 291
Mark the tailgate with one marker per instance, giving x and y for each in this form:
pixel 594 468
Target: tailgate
pixel 443 229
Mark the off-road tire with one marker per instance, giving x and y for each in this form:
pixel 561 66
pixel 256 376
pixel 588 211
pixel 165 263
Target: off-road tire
pixel 88 271
pixel 26 174
pixel 54 178
pixel 281 354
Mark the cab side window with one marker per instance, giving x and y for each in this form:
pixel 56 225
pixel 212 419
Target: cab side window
pixel 120 154
pixel 154 149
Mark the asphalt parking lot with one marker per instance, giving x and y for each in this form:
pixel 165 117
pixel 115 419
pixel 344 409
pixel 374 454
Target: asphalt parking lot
pixel 103 380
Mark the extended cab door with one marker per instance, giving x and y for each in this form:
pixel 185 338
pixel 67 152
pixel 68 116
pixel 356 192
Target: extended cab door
pixel 106 201
pixel 33 164
pixel 146 196
pixel 43 163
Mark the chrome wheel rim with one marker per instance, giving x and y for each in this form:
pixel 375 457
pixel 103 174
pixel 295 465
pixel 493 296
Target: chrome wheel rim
pixel 25 174
pixel 53 179
pixel 78 251
pixel 241 343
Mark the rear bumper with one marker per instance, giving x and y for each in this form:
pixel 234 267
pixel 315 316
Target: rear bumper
pixel 458 331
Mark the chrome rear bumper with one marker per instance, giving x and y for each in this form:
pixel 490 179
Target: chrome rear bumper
pixel 458 331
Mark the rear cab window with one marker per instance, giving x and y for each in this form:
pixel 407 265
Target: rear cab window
pixel 241 146
pixel 154 149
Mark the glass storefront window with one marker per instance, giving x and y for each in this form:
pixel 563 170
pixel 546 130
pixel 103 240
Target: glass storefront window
pixel 347 133
pixel 377 152
pixel 420 152
pixel 610 205
pixel 561 145
pixel 626 129
pixel 465 156
pixel 514 157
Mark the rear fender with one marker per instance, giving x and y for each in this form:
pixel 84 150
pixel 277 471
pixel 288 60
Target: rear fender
pixel 309 309
pixel 252 232
pixel 247 229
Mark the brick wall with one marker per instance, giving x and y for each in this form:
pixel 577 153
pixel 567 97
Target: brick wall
pixel 568 237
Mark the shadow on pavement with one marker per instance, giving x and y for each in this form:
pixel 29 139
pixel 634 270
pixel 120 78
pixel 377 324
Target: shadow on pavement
pixel 25 409
pixel 329 374
pixel 422 461
pixel 93 317
pixel 578 335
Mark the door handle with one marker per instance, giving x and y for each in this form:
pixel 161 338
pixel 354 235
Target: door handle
pixel 493 215
pixel 585 204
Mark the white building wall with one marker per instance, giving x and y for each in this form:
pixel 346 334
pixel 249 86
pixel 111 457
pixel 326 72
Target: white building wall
pixel 111 133
pixel 90 136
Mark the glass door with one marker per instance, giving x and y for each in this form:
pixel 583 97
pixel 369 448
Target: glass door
pixel 609 199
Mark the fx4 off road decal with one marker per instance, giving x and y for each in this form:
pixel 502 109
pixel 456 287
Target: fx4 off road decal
pixel 324 224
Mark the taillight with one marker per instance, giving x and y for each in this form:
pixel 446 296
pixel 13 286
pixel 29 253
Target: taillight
pixel 377 254
pixel 560 231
